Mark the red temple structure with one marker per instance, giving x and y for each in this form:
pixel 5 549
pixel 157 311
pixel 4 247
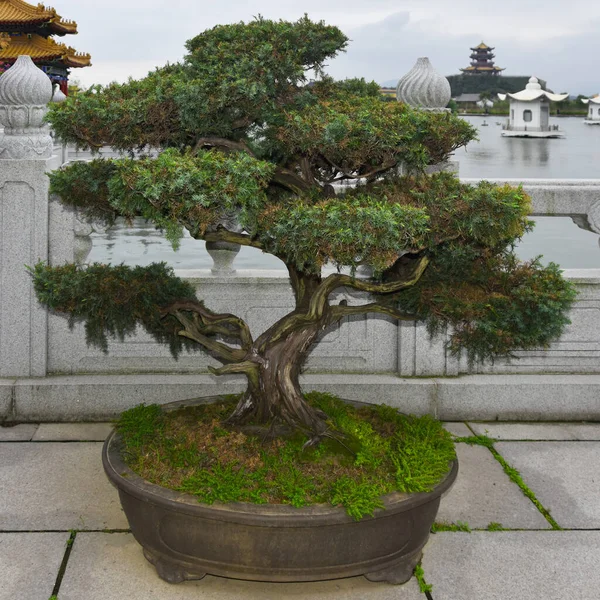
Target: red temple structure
pixel 27 29
pixel 482 62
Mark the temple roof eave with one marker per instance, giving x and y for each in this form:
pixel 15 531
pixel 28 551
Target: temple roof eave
pixel 16 13
pixel 44 50
pixel 594 100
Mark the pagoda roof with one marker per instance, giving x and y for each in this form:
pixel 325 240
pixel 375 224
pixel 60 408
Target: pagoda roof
pixel 482 46
pixel 43 49
pixel 19 13
pixel 483 68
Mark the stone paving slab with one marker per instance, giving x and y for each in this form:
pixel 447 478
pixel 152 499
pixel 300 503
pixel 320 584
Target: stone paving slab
pixel 458 429
pixel 54 486
pixel 564 476
pixel 29 564
pixel 71 432
pixel 511 565
pixel 538 431
pixel 18 433
pixel 483 494
pixel 105 566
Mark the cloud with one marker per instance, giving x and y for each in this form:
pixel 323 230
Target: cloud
pixel 556 42
pixel 387 50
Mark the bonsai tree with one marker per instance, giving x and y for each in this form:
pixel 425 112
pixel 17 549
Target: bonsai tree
pixel 235 145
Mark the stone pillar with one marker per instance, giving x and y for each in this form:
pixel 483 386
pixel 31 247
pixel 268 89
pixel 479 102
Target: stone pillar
pixel 25 156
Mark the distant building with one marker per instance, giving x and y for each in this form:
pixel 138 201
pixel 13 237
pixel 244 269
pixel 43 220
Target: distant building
pixel 467 101
pixel 388 92
pixel 482 62
pixel 593 116
pixel 530 112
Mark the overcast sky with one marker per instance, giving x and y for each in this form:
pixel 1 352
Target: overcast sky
pixel 556 40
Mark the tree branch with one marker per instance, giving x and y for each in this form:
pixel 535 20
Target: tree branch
pixel 218 142
pixel 223 351
pixel 246 366
pixel 341 311
pixel 211 321
pixel 224 235
pixel 289 180
pixel 319 300
pixel 349 175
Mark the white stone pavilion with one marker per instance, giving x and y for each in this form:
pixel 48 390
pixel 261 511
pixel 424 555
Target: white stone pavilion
pixel 530 112
pixel 593 116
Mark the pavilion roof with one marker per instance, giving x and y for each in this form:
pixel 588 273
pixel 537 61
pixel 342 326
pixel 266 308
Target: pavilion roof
pixel 533 91
pixel 44 49
pixel 593 100
pixel 16 12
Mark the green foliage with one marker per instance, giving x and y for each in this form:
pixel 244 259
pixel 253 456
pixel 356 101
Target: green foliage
pixel 344 231
pixel 494 526
pixel 372 451
pixel 420 577
pixel 360 87
pixel 172 190
pixel 496 305
pixel 350 133
pixel 114 300
pixel 232 77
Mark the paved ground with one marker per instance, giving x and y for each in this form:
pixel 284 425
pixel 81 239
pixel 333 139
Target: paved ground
pixel 62 531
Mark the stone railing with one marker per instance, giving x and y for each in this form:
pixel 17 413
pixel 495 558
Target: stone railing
pixel 47 372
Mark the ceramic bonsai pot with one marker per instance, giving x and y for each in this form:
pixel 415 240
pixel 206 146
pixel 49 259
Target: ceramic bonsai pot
pixel 186 540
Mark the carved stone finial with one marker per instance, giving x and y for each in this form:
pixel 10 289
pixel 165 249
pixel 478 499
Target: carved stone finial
pixel 25 91
pixel 423 87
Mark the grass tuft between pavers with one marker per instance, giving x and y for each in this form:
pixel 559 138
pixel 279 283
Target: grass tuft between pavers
pixel 513 474
pixel 420 577
pixel 458 526
pixel 370 451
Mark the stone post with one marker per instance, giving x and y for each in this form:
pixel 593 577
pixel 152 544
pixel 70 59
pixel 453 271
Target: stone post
pixel 25 156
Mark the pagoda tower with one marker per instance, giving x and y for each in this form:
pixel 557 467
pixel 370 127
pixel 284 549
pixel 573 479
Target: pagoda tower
pixel 482 62
pixel 27 29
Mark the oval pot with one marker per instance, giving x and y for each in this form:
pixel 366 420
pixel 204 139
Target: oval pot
pixel 185 539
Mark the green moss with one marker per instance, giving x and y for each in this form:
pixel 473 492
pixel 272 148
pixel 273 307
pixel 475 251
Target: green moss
pixel 458 526
pixel 372 451
pixel 513 474
pixel 493 526
pixel 420 577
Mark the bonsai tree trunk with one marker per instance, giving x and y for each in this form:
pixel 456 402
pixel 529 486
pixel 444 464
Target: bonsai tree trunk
pixel 273 362
pixel 273 377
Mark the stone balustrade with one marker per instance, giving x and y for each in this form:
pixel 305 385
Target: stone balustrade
pixel 47 372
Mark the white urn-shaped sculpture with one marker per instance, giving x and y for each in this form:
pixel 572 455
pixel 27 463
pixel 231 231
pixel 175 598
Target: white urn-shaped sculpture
pixel 58 95
pixel 25 91
pixel 423 87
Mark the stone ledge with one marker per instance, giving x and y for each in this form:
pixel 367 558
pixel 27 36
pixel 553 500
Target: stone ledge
pixel 469 397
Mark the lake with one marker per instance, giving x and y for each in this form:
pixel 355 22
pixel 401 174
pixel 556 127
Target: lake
pixel 558 239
